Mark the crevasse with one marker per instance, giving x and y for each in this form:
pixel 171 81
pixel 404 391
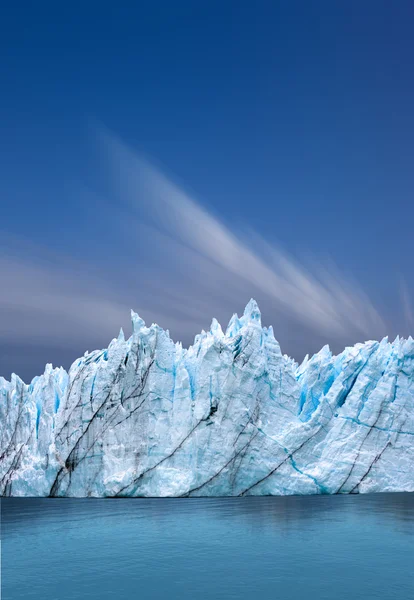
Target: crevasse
pixel 230 416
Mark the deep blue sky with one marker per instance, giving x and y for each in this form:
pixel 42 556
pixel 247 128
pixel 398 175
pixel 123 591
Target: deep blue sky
pixel 293 119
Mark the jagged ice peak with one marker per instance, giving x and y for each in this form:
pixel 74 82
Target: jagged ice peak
pixel 230 415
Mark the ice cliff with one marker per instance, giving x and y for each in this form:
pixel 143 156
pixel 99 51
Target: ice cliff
pixel 229 416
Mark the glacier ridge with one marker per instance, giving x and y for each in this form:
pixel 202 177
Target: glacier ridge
pixel 229 416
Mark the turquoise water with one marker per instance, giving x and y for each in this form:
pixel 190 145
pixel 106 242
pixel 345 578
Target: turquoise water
pixel 333 547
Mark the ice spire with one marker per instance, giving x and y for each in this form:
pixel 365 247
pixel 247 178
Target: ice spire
pixel 252 313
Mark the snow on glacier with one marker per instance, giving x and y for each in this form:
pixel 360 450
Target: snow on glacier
pixel 229 416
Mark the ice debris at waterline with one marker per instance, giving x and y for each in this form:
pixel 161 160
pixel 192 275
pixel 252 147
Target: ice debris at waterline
pixel 230 416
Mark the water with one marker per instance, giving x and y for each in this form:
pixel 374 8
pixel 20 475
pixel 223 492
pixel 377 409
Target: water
pixel 338 547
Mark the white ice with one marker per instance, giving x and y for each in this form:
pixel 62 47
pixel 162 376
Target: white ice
pixel 230 416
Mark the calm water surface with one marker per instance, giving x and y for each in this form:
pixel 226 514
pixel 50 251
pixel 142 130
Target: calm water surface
pixel 288 548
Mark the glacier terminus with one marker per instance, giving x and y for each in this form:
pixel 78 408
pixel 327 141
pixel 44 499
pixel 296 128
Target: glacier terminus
pixel 229 416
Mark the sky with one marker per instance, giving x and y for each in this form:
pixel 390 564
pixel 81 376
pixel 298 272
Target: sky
pixel 179 158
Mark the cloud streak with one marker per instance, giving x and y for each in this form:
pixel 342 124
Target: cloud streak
pixel 177 264
pixel 322 300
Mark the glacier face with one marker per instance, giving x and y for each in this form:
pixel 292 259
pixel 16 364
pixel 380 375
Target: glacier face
pixel 230 416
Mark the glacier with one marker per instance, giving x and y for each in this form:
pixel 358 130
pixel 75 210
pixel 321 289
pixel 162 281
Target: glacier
pixel 229 416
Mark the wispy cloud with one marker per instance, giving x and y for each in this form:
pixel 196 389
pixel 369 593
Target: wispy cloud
pixel 176 263
pixel 45 302
pixel 323 300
